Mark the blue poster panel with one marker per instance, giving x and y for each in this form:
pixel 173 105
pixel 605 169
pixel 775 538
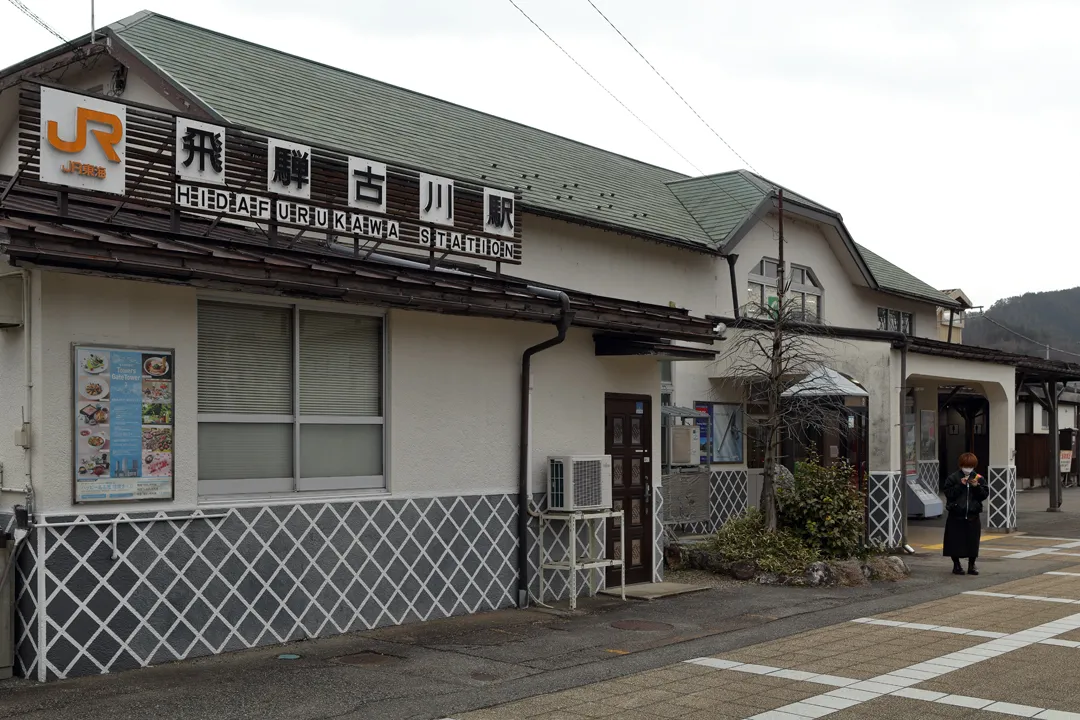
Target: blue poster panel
pixel 124 424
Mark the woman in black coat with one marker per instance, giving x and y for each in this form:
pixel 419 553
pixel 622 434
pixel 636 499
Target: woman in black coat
pixel 965 491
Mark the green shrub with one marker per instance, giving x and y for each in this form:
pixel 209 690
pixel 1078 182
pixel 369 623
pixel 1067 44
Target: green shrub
pixel 822 507
pixel 745 539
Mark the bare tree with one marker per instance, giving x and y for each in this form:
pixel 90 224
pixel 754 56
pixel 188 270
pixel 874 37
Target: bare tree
pixel 776 357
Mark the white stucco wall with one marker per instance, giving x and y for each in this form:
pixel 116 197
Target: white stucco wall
pixel 13 395
pixel 77 308
pixel 452 390
pixel 1066 419
pixel 607 263
pixel 805 245
pixel 454 398
pixel 1022 425
pixel 846 301
pixel 996 382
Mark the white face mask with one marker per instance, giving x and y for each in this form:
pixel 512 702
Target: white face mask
pixel 967 471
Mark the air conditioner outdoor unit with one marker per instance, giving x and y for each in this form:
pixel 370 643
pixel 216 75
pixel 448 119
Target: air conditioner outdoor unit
pixel 579 482
pixel 685 444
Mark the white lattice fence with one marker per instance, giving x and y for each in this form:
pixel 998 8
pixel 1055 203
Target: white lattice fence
pixel 727 499
pixel 929 473
pixel 258 576
pixel 658 534
pixel 1001 504
pixel 885 511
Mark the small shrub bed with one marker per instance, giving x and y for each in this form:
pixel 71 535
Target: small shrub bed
pixel 745 540
pixel 824 509
pixel 819 539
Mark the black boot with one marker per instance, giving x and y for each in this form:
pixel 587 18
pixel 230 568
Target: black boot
pixel 971 567
pixel 957 570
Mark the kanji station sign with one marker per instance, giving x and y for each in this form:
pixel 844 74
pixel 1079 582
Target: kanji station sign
pixel 297 190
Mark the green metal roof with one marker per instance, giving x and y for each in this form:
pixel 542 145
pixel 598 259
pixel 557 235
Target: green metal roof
pixel 894 279
pixel 722 201
pixel 252 85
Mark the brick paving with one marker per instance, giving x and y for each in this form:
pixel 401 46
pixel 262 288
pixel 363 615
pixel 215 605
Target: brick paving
pixel 992 655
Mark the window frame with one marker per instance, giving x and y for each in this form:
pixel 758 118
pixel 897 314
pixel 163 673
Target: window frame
pixel 255 488
pixel 899 315
pixel 813 286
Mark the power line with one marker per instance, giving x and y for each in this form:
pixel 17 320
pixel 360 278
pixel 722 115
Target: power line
pixel 672 88
pixel 990 320
pixel 635 115
pixel 30 14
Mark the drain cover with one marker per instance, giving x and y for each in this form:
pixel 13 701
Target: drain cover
pixel 486 677
pixel 641 625
pixel 366 658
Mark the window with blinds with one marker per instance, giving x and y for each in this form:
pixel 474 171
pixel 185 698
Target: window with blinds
pixel 290 399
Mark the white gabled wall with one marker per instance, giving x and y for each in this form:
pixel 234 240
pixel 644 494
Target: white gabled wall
pixel 607 263
pixel 76 77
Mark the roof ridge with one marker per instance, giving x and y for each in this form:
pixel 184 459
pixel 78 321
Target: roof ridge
pixel 774 184
pixel 233 38
pixel 692 178
pixel 689 213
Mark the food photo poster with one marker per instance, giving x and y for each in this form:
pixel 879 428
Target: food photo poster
pixel 124 418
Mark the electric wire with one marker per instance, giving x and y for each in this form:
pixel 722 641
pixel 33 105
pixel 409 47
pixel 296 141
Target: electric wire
pixel 626 107
pixel 990 320
pixel 672 88
pixel 30 14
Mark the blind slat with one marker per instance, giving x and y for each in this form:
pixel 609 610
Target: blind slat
pixel 340 365
pixel 245 359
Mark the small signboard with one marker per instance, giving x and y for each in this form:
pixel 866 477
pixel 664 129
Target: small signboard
pixel 124 404
pixel 293 189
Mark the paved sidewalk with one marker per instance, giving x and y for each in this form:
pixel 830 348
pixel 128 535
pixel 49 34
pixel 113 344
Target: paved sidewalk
pixel 450 668
pixel 1003 651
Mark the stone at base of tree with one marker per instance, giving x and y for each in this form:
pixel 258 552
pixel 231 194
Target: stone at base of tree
pixel 889 567
pixel 744 570
pixel 820 574
pixel 673 556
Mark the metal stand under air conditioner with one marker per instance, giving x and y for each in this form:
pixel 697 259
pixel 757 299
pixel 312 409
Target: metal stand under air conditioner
pixel 594 560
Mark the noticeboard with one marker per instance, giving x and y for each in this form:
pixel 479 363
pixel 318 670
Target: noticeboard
pixel 124 440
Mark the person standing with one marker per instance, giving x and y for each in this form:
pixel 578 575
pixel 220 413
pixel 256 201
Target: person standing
pixel 965 490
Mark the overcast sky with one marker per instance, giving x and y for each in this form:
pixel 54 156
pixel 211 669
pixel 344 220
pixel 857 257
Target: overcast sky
pixel 944 131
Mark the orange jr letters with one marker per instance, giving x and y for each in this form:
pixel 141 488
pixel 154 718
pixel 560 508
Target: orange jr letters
pixel 107 140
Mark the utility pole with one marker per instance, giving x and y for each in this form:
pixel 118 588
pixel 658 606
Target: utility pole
pixel 776 368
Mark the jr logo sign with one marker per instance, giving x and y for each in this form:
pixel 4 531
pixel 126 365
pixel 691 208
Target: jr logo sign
pixel 83 117
pixel 83 142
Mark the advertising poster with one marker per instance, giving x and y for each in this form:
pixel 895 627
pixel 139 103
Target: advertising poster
pixel 727 427
pixel 124 423
pixel 928 435
pixel 704 435
pixel 911 466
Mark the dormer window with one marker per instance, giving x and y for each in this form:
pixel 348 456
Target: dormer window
pixel 803 289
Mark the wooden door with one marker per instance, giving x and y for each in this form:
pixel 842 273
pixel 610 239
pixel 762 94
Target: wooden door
pixel 628 440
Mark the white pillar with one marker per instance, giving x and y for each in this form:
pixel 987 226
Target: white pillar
pixel 1001 505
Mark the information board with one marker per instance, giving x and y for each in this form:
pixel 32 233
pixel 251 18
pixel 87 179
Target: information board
pixel 124 422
